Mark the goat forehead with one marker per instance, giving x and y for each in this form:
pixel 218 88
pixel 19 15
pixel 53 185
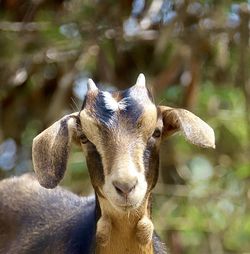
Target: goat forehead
pixel 112 109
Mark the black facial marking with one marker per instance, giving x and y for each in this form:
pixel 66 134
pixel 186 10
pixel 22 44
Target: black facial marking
pixel 130 110
pixel 105 115
pixel 84 103
pixel 151 163
pixel 94 163
pixel 133 109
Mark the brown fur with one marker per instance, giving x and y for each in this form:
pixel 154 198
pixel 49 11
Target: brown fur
pixel 37 220
pixel 120 144
pixel 129 232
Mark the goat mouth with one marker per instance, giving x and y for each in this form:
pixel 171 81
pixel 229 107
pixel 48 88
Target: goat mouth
pixel 125 206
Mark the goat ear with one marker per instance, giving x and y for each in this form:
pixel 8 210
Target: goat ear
pixel 50 151
pixel 191 126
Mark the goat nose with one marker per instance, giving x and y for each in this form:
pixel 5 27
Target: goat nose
pixel 123 188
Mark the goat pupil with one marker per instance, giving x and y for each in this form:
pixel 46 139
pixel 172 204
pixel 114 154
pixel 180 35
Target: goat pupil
pixel 83 139
pixel 157 133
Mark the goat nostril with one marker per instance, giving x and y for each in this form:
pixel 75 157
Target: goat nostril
pixel 124 188
pixel 119 191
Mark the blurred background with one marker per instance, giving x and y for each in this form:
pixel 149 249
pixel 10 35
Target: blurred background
pixel 194 54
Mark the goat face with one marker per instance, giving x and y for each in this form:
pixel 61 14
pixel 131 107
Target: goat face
pixel 123 129
pixel 120 134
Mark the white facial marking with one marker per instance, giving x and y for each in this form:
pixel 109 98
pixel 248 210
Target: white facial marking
pixel 112 104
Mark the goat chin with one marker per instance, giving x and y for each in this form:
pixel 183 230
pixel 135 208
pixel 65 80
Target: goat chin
pixel 125 205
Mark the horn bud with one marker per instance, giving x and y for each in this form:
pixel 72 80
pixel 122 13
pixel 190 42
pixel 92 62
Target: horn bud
pixel 141 81
pixel 91 85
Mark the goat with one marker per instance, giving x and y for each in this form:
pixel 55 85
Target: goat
pixel 120 134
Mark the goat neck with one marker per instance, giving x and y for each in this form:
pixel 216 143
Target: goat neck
pixel 122 230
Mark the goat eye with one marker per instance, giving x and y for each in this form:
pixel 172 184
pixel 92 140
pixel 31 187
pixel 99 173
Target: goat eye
pixel 157 133
pixel 83 139
pixel 139 125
